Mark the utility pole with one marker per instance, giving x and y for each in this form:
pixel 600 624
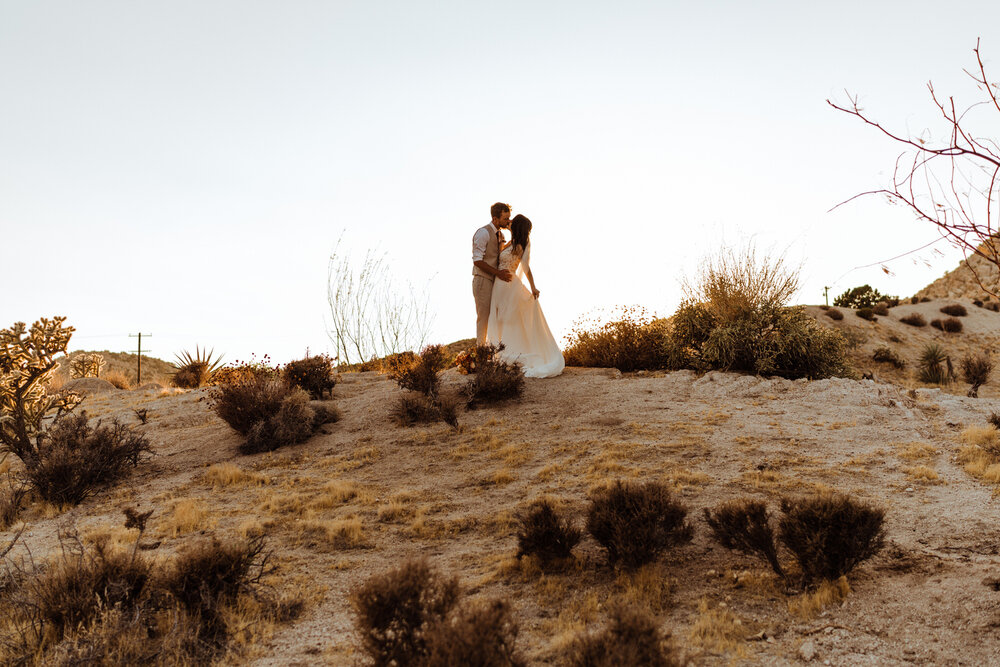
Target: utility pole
pixel 826 294
pixel 138 357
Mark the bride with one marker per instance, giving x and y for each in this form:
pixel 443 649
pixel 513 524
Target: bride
pixel 516 318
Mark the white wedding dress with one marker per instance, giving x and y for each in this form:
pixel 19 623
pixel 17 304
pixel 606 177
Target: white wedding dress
pixel 516 320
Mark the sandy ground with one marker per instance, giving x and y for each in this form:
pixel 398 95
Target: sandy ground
pixel 929 598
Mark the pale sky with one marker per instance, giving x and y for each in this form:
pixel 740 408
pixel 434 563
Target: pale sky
pixel 185 168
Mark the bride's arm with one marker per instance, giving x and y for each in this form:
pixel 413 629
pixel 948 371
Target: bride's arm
pixel 531 279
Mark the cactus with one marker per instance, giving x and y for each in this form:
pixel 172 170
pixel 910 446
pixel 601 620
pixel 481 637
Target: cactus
pixel 86 365
pixel 26 367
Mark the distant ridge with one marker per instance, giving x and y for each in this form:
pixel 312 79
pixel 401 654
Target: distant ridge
pixel 960 282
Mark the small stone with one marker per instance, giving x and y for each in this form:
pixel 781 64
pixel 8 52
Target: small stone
pixel 807 651
pixel 909 489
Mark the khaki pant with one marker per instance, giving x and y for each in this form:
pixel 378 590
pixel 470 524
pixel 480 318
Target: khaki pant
pixel 482 291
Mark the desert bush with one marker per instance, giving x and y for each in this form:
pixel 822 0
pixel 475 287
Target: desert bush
pixel 632 637
pixel 977 303
pixel 744 525
pixel 914 300
pixel 885 354
pixel 495 379
pixel 481 633
pixel 119 380
pixel 12 498
pixel 269 412
pixel 830 534
pixel 394 611
pixel 932 365
pixel 195 370
pixel 416 408
pixel 736 285
pixel 27 365
pixel 545 534
pixel 954 309
pixel 421 373
pixel 313 374
pixel 866 314
pixel 632 341
pixel 835 314
pixel 864 296
pixel 881 308
pixel 76 459
pixel 994 420
pixel 785 342
pixel 914 320
pixel 948 325
pixel 992 305
pixel 976 369
pixel 86 365
pixel 636 523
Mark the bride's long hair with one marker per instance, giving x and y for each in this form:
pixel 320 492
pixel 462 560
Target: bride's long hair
pixel 520 230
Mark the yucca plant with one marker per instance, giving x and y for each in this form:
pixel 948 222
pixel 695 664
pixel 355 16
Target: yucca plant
pixel 932 360
pixel 195 370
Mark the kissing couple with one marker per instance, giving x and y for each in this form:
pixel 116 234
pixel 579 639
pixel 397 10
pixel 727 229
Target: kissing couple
pixel 507 308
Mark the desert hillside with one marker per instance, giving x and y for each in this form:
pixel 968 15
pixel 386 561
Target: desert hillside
pixel 366 494
pixel 961 283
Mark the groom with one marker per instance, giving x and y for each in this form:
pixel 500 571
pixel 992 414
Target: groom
pixel 485 256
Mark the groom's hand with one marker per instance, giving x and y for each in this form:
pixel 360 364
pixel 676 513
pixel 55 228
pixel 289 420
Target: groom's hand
pixel 504 275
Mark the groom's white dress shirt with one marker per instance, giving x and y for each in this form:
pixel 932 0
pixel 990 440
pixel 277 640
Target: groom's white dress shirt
pixel 480 239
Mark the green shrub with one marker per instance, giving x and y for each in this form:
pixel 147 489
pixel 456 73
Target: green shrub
pixel 636 523
pixel 954 309
pixel 633 342
pixel 76 459
pixel 830 534
pixel 932 365
pixel 313 374
pixel 914 320
pixel 545 534
pixel 864 296
pixel 886 354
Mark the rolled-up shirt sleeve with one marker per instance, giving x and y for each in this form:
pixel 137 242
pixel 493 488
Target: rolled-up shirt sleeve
pixel 479 241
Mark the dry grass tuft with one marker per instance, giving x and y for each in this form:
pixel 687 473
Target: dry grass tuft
pixel 188 515
pixel 923 474
pixel 718 629
pixel 221 475
pixel 826 594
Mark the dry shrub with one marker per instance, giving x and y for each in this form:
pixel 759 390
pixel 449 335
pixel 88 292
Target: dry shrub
pixel 545 534
pixel 886 354
pixel 494 380
pixel 835 314
pixel 313 374
pixel 394 611
pixel 268 411
pixel 881 309
pixel 632 637
pixel 866 314
pixel 481 633
pixel 954 309
pixel 119 380
pixel 830 534
pixel 948 325
pixel 992 305
pixel 420 373
pixel 736 285
pixel 914 320
pixel 976 369
pixel 994 420
pixel 415 408
pixel 864 296
pixel 12 500
pixel 630 342
pixel 744 525
pixel 75 459
pixel 636 523
pixel 977 303
pixel 914 299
